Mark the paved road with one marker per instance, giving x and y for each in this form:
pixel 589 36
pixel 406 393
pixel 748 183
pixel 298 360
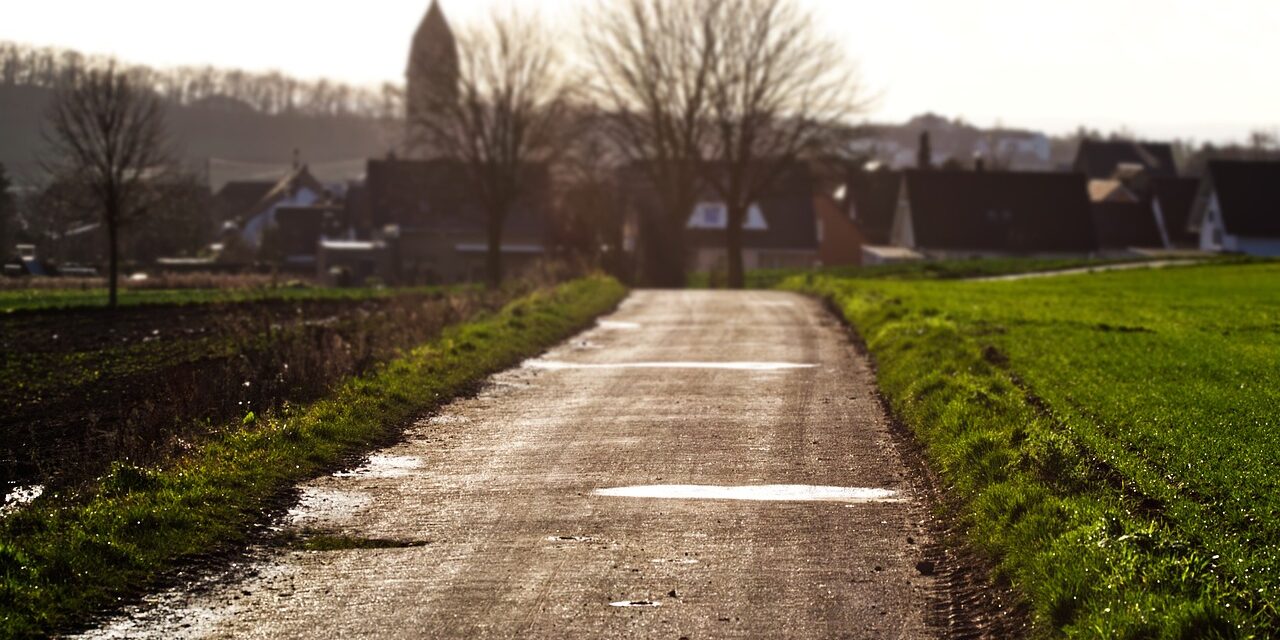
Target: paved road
pixel 717 458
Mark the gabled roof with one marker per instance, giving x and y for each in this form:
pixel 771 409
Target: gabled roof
pixel 241 201
pixel 1100 159
pixel 1177 196
pixel 997 211
pixel 871 197
pixel 1248 194
pixel 235 199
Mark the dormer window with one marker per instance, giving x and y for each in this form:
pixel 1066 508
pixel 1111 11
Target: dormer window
pixel 715 215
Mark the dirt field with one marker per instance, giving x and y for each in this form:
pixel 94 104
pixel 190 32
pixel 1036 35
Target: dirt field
pixel 84 387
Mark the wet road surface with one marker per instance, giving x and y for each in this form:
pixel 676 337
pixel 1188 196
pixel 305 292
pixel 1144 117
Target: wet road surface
pixel 701 464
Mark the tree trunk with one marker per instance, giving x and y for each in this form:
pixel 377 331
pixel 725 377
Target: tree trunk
pixel 113 260
pixel 662 243
pixel 493 259
pixel 733 247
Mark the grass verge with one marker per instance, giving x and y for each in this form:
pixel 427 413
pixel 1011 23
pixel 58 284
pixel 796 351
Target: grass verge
pixel 923 270
pixel 1110 439
pixel 68 555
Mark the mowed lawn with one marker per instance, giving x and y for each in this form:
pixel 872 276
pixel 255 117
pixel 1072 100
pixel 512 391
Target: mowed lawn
pixel 1115 437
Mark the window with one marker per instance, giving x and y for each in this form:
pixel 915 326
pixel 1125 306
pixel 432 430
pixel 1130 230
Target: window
pixel 715 215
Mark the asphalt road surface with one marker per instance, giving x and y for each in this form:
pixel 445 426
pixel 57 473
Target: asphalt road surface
pixel 701 464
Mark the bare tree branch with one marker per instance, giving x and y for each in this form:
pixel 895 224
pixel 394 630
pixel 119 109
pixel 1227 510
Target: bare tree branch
pixel 779 91
pixel 108 133
pixel 504 121
pixel 652 62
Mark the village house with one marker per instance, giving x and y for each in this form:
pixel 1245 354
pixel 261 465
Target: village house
pixel 964 214
pixel 1122 219
pixel 1100 159
pixel 780 229
pixel 1172 200
pixel 294 240
pixel 855 208
pixel 1237 208
pixel 252 221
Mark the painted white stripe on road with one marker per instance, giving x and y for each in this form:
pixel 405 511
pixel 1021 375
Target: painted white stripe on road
pixel 556 365
pixel 618 324
pixel 768 492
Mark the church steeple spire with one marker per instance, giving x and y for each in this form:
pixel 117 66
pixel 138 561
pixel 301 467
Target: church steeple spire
pixel 432 74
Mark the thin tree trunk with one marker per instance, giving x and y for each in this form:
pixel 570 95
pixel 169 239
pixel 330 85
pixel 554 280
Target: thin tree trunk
pixel 733 246
pixel 493 261
pixel 113 260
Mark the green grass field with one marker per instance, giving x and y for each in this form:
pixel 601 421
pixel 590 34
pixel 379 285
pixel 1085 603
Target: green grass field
pixel 1114 437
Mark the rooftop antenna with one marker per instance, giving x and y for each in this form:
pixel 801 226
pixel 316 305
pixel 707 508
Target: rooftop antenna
pixel 296 156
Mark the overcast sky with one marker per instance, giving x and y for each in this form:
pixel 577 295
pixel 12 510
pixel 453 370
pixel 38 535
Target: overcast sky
pixel 1187 68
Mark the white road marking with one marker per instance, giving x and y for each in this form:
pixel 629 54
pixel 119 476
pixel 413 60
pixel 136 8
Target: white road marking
pixel 767 492
pixel 618 324
pixel 556 365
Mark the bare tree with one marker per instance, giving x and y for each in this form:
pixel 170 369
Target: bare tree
pixel 779 91
pixel 503 122
pixel 109 135
pixel 652 62
pixel 8 214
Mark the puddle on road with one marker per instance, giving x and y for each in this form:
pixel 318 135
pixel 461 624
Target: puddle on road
pixel 20 497
pixel 556 365
pixel 764 493
pixel 618 325
pixel 636 603
pixel 327 504
pixel 383 467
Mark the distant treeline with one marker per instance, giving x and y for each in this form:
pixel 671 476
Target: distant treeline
pixel 271 92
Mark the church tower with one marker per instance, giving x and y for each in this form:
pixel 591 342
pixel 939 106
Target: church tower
pixel 432 75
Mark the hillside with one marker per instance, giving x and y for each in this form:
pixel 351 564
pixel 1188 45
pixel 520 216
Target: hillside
pixel 247 138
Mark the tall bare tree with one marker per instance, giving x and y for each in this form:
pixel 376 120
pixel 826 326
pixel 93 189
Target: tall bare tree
pixel 504 121
pixel 652 62
pixel 109 134
pixel 779 91
pixel 8 214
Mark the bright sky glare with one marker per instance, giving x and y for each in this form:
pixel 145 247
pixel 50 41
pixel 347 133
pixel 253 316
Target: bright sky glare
pixel 1163 68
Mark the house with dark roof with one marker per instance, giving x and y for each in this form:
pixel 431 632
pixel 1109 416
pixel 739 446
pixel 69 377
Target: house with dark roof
pixel 1100 159
pixel 1172 200
pixel 298 232
pixel 1237 208
pixel 870 200
pixel 781 229
pixel 946 214
pixel 431 219
pixel 1122 219
pixel 298 188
